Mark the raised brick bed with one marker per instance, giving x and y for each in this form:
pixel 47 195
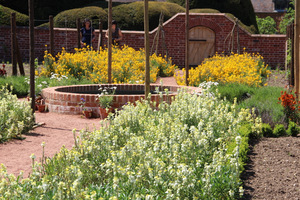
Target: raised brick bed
pixel 66 99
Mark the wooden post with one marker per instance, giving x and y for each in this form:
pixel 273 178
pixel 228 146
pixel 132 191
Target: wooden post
pixel 31 53
pixel 19 59
pixel 78 32
pixel 100 36
pixel 109 40
pixel 187 6
pixel 51 35
pixel 13 44
pixel 296 49
pixel 147 52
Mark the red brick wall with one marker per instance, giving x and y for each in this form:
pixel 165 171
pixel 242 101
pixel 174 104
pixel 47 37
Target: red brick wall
pixel 271 47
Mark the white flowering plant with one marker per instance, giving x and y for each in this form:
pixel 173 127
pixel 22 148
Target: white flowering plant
pixel 178 151
pixel 16 116
pixel 105 98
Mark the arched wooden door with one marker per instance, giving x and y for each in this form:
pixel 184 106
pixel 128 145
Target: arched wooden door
pixel 201 44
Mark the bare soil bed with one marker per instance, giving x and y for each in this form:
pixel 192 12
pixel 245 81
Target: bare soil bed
pixel 273 170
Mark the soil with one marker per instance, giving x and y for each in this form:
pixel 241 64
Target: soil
pixel 273 170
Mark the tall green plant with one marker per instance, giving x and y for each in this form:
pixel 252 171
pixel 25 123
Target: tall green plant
pixel 16 116
pixel 266 25
pixel 288 18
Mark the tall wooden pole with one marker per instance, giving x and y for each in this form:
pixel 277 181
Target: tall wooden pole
pixel 147 49
pixel 187 14
pixel 78 32
pixel 51 35
pixel 100 35
pixel 13 44
pixel 296 46
pixel 109 51
pixel 31 53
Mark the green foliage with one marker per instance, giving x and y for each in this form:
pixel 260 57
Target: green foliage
pixel 266 130
pixel 242 9
pixel 44 8
pixel 131 16
pixel 5 15
pixel 279 130
pixel 19 85
pixel 68 18
pixel 16 116
pixel 293 129
pixel 250 29
pixel 177 151
pixel 16 84
pixel 288 18
pixel 266 25
pixel 204 10
pixel 265 102
pixel 234 90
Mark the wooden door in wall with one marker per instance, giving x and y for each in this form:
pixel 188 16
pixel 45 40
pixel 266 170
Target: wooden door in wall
pixel 201 44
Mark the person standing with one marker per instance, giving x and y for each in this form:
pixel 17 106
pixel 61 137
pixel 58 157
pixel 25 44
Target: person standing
pixel 116 33
pixel 87 34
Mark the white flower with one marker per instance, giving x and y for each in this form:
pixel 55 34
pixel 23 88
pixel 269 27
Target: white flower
pixel 32 156
pixel 43 144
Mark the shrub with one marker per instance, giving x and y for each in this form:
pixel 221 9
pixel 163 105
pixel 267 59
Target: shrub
pixel 243 68
pixel 288 18
pixel 231 91
pixel 175 152
pixel 265 102
pixel 67 18
pixel 266 25
pixel 131 16
pixel 293 129
pixel 291 105
pixel 266 130
pixel 5 14
pixel 279 130
pixel 16 84
pixel 250 29
pixel 127 65
pixel 15 116
pixel 243 10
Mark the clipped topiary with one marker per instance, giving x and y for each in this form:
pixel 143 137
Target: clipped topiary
pixel 131 16
pixel 5 13
pixel 67 19
pixel 242 9
pixel 293 129
pixel 267 130
pixel 279 130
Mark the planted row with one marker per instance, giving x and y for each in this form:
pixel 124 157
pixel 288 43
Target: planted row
pixel 190 149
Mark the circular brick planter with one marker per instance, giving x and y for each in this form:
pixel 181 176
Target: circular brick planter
pixel 66 99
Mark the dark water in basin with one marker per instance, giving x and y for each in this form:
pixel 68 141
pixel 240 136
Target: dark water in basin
pixel 118 92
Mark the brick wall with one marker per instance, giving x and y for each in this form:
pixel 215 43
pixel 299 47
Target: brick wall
pixel 271 47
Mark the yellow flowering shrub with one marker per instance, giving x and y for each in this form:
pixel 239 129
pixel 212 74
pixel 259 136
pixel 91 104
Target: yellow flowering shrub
pixel 243 68
pixel 128 65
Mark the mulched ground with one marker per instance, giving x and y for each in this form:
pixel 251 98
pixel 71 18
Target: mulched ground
pixel 273 170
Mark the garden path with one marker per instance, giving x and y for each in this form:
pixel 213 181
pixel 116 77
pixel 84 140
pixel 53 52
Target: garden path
pixel 56 132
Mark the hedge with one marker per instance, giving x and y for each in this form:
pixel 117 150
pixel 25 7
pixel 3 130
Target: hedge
pixel 131 16
pixel 91 12
pixel 5 13
pixel 242 9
